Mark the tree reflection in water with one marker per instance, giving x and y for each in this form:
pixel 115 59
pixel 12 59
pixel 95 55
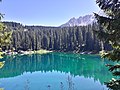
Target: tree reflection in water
pixel 88 66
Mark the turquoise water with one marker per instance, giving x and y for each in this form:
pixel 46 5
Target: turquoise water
pixel 54 71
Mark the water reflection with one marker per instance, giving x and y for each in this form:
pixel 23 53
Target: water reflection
pixel 75 64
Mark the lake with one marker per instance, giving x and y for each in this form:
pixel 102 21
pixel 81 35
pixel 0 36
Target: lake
pixel 54 71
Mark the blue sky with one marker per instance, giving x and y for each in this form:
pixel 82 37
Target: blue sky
pixel 46 12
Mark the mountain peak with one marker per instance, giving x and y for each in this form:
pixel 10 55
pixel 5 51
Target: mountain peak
pixel 81 21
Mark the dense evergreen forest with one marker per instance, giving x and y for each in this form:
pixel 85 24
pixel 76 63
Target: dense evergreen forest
pixel 67 39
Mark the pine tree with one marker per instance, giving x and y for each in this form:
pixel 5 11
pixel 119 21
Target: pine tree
pixel 5 36
pixel 109 32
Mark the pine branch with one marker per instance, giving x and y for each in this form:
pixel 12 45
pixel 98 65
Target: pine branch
pixel 116 73
pixel 113 84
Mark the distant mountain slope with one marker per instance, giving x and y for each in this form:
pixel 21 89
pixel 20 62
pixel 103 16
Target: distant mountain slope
pixel 81 21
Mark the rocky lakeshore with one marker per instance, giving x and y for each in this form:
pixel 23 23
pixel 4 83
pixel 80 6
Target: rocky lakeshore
pixel 21 52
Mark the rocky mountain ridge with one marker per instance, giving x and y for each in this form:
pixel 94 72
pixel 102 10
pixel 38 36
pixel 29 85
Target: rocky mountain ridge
pixel 81 21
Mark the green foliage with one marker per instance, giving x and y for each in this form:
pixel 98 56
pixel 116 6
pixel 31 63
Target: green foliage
pixel 110 33
pixel 5 36
pixel 67 39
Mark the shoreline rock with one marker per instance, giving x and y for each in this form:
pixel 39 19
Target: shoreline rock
pixel 42 51
pixel 21 52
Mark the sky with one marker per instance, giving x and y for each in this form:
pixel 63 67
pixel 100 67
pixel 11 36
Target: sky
pixel 46 12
